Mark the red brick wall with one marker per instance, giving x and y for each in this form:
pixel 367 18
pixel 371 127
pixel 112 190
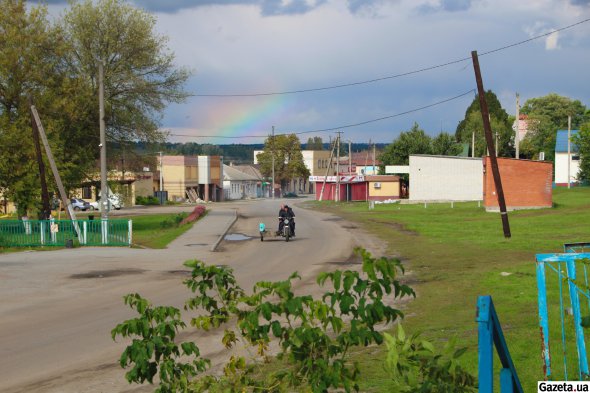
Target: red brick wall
pixel 526 184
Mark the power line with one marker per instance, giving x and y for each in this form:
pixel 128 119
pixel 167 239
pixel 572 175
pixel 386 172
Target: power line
pixel 395 75
pixel 338 127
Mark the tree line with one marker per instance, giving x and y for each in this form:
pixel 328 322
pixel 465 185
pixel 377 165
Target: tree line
pixel 544 116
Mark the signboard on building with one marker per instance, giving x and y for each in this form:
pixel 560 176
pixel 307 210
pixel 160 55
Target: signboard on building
pixel 334 179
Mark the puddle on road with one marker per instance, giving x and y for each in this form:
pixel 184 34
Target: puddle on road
pixel 107 273
pixel 237 237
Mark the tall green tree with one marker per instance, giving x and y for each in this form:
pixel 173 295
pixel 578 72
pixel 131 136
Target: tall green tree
pixel 414 141
pixel 288 159
pixel 140 76
pixel 314 143
pixel 30 59
pixel 500 123
pixel 556 109
pixel 445 144
pixel 582 139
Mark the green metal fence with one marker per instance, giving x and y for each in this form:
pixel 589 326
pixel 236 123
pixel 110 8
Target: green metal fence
pixel 35 233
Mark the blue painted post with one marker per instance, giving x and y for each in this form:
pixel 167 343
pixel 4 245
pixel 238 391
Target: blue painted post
pixel 543 317
pixel 485 345
pixel 506 384
pixel 575 302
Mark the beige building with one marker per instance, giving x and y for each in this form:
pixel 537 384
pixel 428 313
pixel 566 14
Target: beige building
pixel 382 187
pixel 180 174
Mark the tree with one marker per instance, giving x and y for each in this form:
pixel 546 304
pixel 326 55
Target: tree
pixel 499 121
pixel 556 109
pixel 414 141
pixel 140 77
pixel 288 159
pixel 314 143
pixel 444 144
pixel 582 139
pixel 29 57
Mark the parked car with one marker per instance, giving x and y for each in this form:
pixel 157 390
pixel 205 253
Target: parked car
pixel 114 203
pixel 79 204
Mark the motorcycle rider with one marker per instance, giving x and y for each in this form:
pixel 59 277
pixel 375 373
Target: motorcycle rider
pixel 291 216
pixel 283 213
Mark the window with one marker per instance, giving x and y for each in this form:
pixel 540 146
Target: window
pixel 87 192
pixel 319 163
pixel 575 158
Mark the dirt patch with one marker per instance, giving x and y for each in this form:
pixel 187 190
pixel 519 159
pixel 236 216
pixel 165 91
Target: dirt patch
pixel 333 219
pixel 107 273
pixel 398 227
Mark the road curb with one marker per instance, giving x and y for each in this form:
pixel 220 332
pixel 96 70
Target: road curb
pixel 227 228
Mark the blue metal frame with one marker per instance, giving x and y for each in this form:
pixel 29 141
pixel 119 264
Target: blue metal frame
pixel 489 335
pixel 569 259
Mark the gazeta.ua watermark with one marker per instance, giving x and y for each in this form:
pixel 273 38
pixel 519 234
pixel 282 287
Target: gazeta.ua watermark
pixel 563 386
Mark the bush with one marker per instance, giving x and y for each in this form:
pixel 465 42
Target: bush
pixel 174 221
pixel 312 335
pixel 147 201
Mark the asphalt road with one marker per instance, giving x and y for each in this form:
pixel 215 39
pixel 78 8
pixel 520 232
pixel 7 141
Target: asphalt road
pixel 57 308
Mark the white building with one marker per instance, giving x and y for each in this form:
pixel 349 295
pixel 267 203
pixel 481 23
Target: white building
pixel 239 185
pixel 562 159
pixel 445 178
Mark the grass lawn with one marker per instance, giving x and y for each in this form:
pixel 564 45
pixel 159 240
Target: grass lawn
pixel 455 254
pixel 150 231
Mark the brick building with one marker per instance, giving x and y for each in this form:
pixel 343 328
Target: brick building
pixel 527 184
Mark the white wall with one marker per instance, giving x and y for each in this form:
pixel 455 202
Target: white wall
pixel 446 178
pixel 561 168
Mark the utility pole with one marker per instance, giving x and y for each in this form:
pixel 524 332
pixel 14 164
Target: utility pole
pixel 472 144
pixel 327 171
pixel 338 168
pixel 496 143
pixel 62 192
pixel 374 170
pixel 272 147
pixel 161 166
pixel 103 145
pixel 349 156
pixel 489 141
pixel 46 210
pixel 517 136
pixel 569 157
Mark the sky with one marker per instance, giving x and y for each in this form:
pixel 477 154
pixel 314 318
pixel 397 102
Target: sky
pixel 241 47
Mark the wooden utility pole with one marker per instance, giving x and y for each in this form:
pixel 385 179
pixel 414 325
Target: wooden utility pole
pixel 46 209
pixel 62 192
pixel 490 143
pixel 327 171
pixel 517 136
pixel 569 152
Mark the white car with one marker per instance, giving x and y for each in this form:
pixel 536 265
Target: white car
pixel 113 204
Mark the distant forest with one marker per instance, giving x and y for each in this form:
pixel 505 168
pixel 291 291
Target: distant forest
pixel 236 153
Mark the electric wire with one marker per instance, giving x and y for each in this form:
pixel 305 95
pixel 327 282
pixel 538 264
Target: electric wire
pixel 333 128
pixel 395 75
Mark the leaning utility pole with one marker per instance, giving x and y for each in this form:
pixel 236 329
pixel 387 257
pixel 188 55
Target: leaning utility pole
pixel 103 145
pixel 490 142
pixel 62 192
pixel 272 148
pixel 517 136
pixel 327 171
pixel 46 210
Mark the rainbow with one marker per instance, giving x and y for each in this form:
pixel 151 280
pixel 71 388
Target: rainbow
pixel 238 117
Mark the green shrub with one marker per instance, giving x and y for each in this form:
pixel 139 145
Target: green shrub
pixel 147 201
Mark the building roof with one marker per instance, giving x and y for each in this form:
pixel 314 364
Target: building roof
pixel 232 173
pixel 382 178
pixel 561 142
pixel 252 170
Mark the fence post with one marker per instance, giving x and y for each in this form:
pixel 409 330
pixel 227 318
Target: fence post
pixel 506 384
pixel 104 230
pixel 485 345
pixel 42 231
pixel 84 232
pixel 130 236
pixel 575 300
pixel 543 317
